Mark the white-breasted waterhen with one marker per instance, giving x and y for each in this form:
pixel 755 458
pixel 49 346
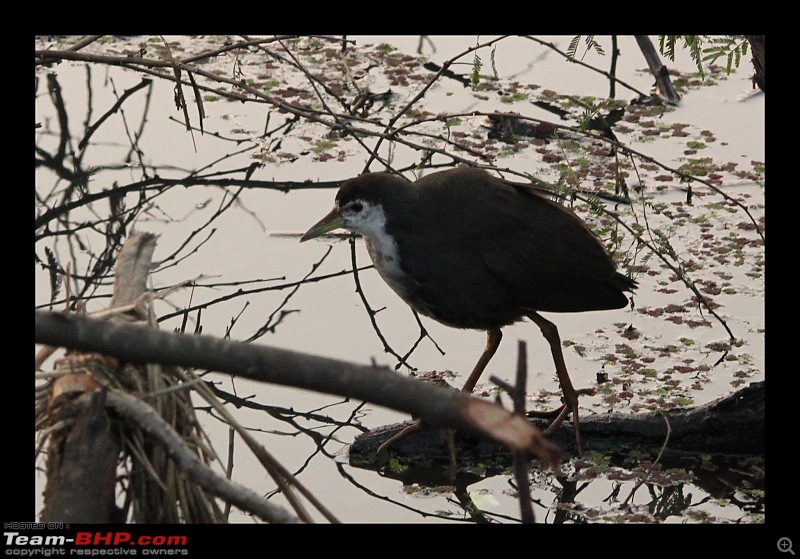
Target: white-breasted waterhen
pixel 471 250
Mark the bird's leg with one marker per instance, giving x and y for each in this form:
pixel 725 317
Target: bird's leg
pixel 493 338
pixel 550 333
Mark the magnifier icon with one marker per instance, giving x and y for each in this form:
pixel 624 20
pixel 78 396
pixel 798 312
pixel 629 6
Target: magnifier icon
pixel 785 545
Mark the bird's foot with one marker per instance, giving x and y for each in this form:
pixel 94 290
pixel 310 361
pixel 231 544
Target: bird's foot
pixel 558 416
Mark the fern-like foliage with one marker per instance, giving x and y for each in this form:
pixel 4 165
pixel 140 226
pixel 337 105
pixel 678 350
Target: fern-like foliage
pixel 705 49
pixel 477 64
pixel 590 111
pixel 590 42
pixel 733 47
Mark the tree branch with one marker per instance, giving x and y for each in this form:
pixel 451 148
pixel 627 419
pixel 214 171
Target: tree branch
pixel 437 406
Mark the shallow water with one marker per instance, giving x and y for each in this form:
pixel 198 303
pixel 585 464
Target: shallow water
pixel 672 361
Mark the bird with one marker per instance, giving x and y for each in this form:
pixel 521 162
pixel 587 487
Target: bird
pixel 475 251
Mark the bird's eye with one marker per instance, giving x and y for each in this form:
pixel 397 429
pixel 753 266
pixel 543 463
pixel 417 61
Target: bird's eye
pixel 357 207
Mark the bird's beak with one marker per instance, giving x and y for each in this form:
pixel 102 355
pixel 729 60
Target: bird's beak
pixel 328 223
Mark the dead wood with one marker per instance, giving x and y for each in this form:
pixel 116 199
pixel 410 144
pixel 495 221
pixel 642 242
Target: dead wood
pixel 730 426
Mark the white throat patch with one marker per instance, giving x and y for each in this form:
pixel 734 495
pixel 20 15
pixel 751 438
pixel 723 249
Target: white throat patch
pixel 371 223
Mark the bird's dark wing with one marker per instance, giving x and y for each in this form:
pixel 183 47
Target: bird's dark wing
pixel 547 255
pixel 544 255
pixel 481 252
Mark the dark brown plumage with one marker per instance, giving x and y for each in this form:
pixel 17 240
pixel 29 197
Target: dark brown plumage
pixel 474 251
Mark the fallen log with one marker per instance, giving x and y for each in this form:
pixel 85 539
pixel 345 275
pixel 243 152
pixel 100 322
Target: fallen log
pixel 730 426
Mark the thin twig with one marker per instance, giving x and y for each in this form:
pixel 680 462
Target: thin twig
pixel 370 312
pixel 653 465
pixel 244 498
pixel 520 461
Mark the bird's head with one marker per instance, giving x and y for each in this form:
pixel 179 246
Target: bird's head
pixel 359 206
